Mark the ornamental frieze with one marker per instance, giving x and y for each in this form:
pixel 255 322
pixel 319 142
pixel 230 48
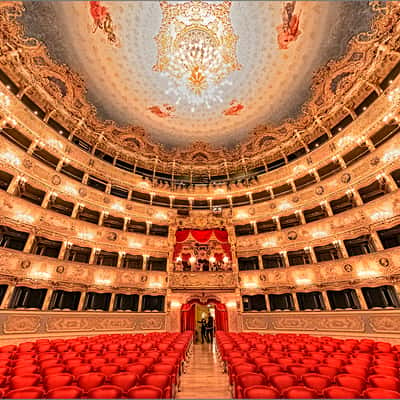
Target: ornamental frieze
pixel 202 280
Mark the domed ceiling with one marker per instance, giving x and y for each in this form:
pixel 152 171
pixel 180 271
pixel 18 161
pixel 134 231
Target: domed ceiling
pixel 270 52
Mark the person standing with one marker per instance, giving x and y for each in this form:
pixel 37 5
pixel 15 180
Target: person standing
pixel 210 328
pixel 203 325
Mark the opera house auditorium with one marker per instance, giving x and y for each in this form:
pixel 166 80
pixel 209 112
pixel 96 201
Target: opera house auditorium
pixel 199 199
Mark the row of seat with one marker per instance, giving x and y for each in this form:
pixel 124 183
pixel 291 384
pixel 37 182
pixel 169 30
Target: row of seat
pixel 303 366
pixel 105 366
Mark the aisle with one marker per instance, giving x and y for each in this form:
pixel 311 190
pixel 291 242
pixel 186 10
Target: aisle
pixel 204 378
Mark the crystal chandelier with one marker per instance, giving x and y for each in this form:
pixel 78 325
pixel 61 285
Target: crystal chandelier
pixel 196 51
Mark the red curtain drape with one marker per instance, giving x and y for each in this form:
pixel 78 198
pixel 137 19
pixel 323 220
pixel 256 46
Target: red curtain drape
pixel 188 322
pixel 188 314
pixel 221 317
pixel 201 236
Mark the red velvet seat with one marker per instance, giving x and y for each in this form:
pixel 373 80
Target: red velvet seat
pixel 351 381
pixel 57 380
pixel 298 369
pixel 160 380
pixel 282 380
pixel 384 382
pixel 382 370
pixel 137 369
pixel 340 392
pixel 261 392
pixel 300 392
pixel 65 392
pixel 109 369
pixel 326 370
pixel 90 380
pixel 166 368
pixel 105 392
pixel 378 393
pixel 54 369
pixel 124 380
pixel 147 361
pixel 317 382
pixel 246 380
pixel 145 392
pixel 26 370
pixel 270 369
pixel 22 381
pixel 25 393
pixel 355 370
pixel 81 369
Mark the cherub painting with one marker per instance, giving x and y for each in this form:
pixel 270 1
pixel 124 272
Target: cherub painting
pixel 102 20
pixel 289 30
pixel 165 111
pixel 235 108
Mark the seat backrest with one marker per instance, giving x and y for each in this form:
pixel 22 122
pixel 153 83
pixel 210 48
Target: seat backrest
pixel 157 379
pixel 109 369
pixel 261 392
pixel 327 370
pixel 105 392
pixel 250 379
pixel 64 392
pixel 124 380
pixel 381 370
pixel 351 381
pixel 81 369
pixel 378 393
pixel 317 382
pixel 145 392
pixel 300 392
pixel 21 381
pixel 90 380
pixel 137 369
pixel 283 380
pixel 30 392
pixel 384 382
pixel 340 392
pixel 57 380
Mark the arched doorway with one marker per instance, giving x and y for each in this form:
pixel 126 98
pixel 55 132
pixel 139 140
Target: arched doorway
pixel 188 314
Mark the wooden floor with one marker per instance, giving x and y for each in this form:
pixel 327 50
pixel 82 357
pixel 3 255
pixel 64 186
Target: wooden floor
pixel 204 378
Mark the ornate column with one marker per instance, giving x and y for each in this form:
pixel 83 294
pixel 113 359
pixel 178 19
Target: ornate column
pixel 340 244
pixel 361 299
pixel 312 254
pixel 377 241
pixel 326 301
pixel 112 301
pixel 12 187
pixel 260 262
pixel 7 297
pixel 278 223
pixel 47 299
pixel 63 249
pixel 267 302
pixel 295 302
pixel 121 255
pixel 285 258
pixel 81 301
pixel 101 218
pixel 140 303
pixel 300 214
pixel 327 207
pixel 29 243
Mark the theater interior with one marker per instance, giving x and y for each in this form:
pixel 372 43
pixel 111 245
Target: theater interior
pixel 199 199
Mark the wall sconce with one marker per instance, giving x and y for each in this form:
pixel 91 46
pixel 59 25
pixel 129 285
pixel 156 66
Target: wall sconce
pixel 192 259
pixel 118 207
pixel 40 275
pixel 155 285
pixel 175 304
pixel 381 215
pixel 103 282
pixel 86 235
pixel 55 144
pixel 367 273
pixel 135 245
pixel 242 215
pixel 212 260
pixel 96 250
pixel 391 156
pixel 25 218
pixel 303 281
pixel 71 190
pixel 160 215
pixel 10 158
pixel 318 234
pixel 269 243
pixel 225 260
pixel 178 259
pixel 122 253
pixel 250 285
pixel 285 206
pixel 231 304
pixel 4 100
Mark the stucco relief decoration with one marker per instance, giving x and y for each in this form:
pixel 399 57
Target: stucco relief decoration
pixel 385 323
pixel 21 324
pixel 235 108
pixel 292 235
pixel 384 262
pixel 102 20
pixel 255 323
pixel 289 30
pixel 69 324
pixel 348 323
pixel 348 268
pixel 152 323
pixel 164 111
pixel 196 50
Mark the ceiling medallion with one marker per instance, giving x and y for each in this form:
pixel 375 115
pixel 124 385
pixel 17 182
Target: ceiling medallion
pixel 196 51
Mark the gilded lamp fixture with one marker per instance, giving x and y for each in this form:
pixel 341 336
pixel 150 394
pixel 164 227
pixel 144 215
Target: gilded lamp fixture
pixel 196 50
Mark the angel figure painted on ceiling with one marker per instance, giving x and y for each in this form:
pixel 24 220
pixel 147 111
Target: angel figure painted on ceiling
pixel 165 111
pixel 289 30
pixel 235 108
pixel 102 20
